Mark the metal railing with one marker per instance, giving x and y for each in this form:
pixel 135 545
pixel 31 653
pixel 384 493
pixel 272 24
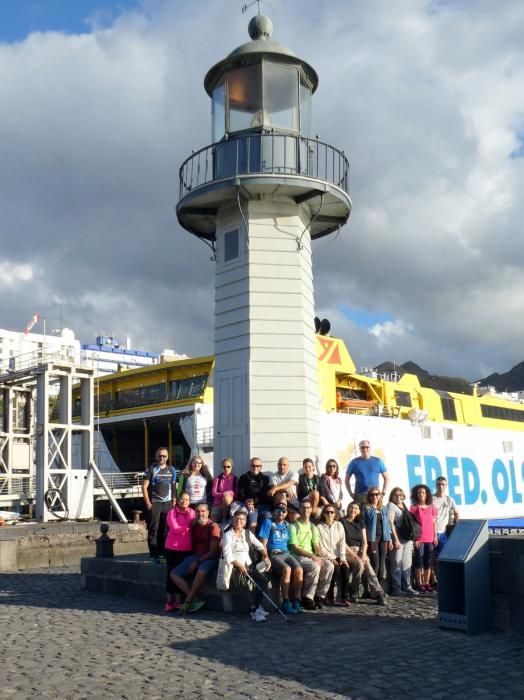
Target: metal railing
pixel 265 154
pixel 124 484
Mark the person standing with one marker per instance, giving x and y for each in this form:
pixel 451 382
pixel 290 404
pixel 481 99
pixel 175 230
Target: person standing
pixel 367 471
pixel 401 556
pixel 159 492
pixel 426 514
pixel 196 480
pixel 447 512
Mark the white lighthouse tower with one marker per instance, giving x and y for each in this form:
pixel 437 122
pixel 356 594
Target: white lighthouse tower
pixel 259 195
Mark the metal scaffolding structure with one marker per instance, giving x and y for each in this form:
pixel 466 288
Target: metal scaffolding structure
pixel 43 434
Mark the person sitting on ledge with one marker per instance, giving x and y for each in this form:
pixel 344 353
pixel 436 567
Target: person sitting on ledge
pixel 275 535
pixel 245 576
pixel 304 542
pixel 224 491
pixel 205 539
pixel 252 491
pixel 309 486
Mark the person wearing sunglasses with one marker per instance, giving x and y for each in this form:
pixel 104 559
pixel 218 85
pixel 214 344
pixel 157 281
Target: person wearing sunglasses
pixel 274 534
pixel 309 486
pixel 159 492
pixel 333 543
pixel 224 491
pixel 252 491
pixel 331 486
pixel 379 530
pixel 367 471
pixel 401 556
pixel 196 480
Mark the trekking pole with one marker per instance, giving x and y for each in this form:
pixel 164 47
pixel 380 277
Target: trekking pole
pixel 286 618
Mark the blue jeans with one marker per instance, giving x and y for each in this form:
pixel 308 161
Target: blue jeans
pixel 206 566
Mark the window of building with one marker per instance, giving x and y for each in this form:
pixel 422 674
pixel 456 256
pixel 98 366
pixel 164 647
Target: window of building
pixel 507 446
pixel 448 433
pixel 231 245
pixel 426 432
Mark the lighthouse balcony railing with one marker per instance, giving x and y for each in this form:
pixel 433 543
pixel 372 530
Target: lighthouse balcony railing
pixel 265 154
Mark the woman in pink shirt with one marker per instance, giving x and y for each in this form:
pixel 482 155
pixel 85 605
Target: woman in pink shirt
pixel 224 491
pixel 178 545
pixel 426 514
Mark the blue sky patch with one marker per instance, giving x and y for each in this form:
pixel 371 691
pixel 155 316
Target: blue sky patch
pixel 19 18
pixel 365 319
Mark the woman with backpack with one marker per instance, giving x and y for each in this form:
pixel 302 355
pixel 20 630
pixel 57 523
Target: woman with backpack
pixel 401 557
pixel 426 514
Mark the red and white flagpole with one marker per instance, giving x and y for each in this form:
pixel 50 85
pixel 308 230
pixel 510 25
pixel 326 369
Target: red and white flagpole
pixel 34 320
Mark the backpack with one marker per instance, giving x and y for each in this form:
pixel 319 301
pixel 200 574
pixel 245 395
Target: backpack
pixel 409 528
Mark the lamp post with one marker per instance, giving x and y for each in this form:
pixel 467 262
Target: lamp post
pixel 258 195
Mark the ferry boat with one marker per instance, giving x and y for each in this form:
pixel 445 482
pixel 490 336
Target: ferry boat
pixel 477 442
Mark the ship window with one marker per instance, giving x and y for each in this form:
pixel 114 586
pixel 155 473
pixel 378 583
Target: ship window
pixel 188 387
pixel 140 396
pixel 448 433
pixel 426 432
pixel 449 411
pixel 507 446
pixel 403 398
pixel 501 413
pixel 231 247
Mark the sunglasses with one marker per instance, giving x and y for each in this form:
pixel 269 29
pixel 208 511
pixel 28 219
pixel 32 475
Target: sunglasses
pixel 329 512
pixel 374 494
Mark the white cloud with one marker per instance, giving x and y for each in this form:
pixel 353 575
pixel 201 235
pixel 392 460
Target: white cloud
pixel 11 273
pixel 388 331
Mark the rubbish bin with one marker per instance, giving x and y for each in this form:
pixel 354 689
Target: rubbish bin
pixel 463 579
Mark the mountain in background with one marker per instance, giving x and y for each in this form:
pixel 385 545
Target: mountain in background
pixel 509 381
pixel 431 381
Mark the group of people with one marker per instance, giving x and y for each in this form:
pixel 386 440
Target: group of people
pixel 240 530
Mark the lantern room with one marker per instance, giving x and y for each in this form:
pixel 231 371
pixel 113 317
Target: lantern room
pixel 261 87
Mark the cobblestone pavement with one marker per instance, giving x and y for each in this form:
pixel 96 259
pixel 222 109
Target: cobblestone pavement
pixel 59 641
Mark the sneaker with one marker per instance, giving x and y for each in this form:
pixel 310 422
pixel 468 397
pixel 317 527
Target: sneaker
pixel 381 600
pixel 422 589
pixel 196 605
pixel 430 589
pixel 185 608
pixel 161 559
pixel 170 607
pixel 412 591
pixel 258 616
pixel 319 602
pixel 261 611
pixel 287 608
pixel 297 607
pixel 330 600
pixel 308 604
pixel 345 603
pixel 155 560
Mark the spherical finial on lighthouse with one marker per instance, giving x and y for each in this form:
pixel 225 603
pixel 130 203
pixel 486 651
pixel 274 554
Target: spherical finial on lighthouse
pixel 260 27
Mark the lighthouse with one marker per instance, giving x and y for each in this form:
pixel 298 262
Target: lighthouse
pixel 259 195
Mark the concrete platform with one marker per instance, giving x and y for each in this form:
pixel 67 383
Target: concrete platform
pixel 35 545
pixel 135 576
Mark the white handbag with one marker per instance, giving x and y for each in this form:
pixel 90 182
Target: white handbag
pixel 224 575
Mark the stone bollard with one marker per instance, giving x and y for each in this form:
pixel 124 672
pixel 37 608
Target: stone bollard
pixel 136 515
pixel 104 544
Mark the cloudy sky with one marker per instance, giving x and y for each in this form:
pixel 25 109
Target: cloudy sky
pixel 103 99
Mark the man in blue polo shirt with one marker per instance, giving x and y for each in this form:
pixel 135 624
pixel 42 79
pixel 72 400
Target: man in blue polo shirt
pixel 367 470
pixel 275 535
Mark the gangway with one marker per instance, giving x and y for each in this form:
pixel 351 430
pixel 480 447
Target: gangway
pixel 41 445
